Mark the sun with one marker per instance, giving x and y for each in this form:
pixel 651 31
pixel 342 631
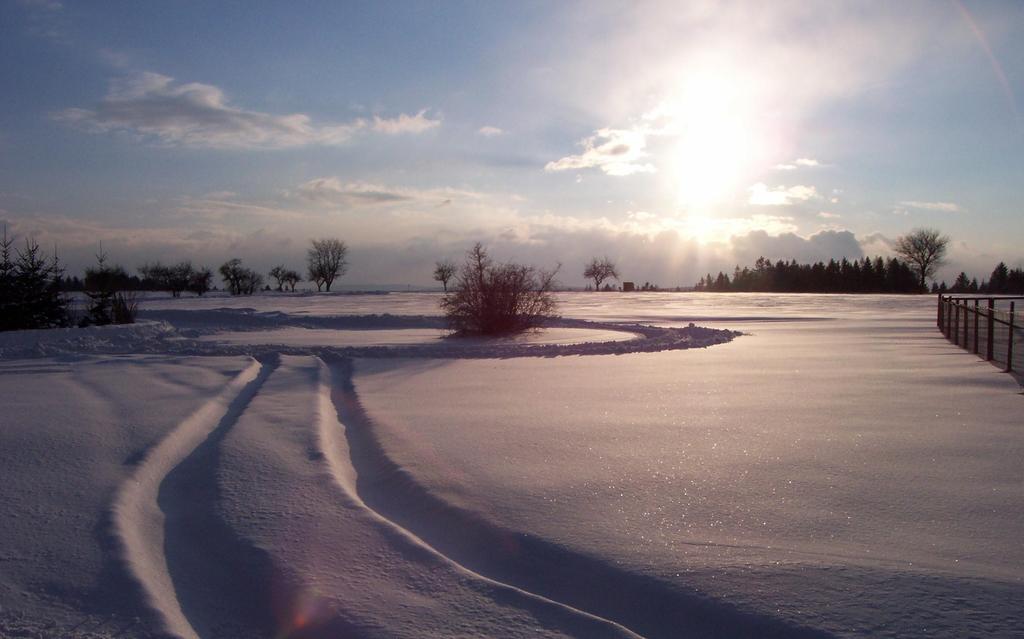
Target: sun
pixel 714 115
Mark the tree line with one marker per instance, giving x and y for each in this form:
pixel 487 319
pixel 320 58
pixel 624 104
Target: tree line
pixel 1003 281
pixel 34 286
pixel 918 255
pixel 326 262
pixel 32 295
pixel 869 275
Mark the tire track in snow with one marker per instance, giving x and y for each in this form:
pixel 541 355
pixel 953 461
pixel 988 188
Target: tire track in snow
pixel 145 512
pixel 333 445
pixel 638 604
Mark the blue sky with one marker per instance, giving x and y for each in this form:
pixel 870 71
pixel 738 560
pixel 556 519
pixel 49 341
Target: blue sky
pixel 675 139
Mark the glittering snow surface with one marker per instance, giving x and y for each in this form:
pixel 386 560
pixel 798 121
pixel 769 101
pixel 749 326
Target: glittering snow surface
pixel 327 466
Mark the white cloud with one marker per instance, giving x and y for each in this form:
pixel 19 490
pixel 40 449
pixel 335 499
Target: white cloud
pixel 405 124
pixel 490 131
pixel 797 163
pixel 332 191
pixel 151 105
pixel 877 244
pixel 828 215
pixel 942 207
pixel 615 151
pixel 761 195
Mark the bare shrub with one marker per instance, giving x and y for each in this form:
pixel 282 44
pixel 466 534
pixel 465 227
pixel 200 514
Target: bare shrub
pixel 125 307
pixel 103 283
pixel 494 299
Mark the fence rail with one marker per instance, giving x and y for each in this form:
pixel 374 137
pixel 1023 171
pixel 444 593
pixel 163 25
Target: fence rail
pixel 987 326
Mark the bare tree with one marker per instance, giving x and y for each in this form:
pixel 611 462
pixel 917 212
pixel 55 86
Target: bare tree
pixel 291 278
pixel 327 262
pixel 200 281
pixel 924 250
pixel 444 271
pixel 599 270
pixel 250 282
pixel 174 278
pixel 278 273
pixel 240 280
pixel 491 298
pixel 180 275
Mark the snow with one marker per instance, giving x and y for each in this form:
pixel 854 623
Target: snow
pixel 312 337
pixel 319 466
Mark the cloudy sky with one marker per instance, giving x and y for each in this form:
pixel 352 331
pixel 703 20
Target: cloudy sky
pixel 676 138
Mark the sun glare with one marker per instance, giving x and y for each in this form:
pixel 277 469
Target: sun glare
pixel 717 139
pixel 702 228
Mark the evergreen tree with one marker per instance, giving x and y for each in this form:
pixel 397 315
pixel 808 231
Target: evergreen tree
pixel 999 281
pixel 30 288
pixel 962 284
pixel 101 286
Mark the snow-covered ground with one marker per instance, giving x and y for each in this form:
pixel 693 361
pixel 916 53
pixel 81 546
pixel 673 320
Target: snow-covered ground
pixel 324 466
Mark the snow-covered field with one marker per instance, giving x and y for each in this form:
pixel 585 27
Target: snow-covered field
pixel 330 466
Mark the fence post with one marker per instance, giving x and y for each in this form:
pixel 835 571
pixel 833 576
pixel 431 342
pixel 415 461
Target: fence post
pixel 967 325
pixel 949 317
pixel 956 323
pixel 977 320
pixel 991 329
pixel 938 319
pixel 1009 344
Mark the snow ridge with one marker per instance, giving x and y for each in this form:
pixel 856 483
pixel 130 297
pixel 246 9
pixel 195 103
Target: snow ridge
pixel 177 332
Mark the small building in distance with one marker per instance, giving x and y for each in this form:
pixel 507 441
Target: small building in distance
pixel 628 287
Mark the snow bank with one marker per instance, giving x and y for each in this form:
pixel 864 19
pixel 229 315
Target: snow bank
pixel 188 332
pixel 126 338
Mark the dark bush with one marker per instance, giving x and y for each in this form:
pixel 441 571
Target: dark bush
pixel 494 299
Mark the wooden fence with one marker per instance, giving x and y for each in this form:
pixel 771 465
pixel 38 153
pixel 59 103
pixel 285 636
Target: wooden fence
pixel 987 326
